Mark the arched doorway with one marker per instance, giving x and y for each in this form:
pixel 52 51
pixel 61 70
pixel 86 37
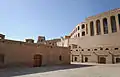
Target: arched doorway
pixel 37 60
pixel 86 59
pixel 102 60
pixel 117 60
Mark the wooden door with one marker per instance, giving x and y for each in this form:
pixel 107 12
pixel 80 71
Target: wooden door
pixel 117 60
pixel 102 60
pixel 37 60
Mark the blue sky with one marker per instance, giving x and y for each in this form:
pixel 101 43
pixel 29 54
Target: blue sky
pixel 20 19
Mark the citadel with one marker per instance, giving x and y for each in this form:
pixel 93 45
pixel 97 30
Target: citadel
pixel 96 40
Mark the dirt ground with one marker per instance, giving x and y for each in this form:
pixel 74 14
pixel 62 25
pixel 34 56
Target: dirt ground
pixel 73 70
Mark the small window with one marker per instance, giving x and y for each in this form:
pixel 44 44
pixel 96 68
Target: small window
pixel 83 26
pixel 101 48
pixel 70 50
pixel 76 50
pixel 74 46
pixel 82 49
pixel 116 48
pixel 60 58
pixel 78 34
pixel 95 49
pixel 88 49
pixel 106 49
pixel 78 28
pixel 70 47
pixel 52 44
pixel 83 33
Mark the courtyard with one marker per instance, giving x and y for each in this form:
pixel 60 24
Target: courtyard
pixel 73 70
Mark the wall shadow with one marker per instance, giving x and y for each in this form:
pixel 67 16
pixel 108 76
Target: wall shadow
pixel 17 71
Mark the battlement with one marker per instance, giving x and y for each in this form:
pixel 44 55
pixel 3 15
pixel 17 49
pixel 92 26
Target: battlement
pixel 29 40
pixel 6 41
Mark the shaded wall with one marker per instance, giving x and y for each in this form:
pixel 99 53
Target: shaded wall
pixel 23 54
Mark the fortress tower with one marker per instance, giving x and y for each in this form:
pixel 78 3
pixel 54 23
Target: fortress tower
pixel 41 39
pixel 2 36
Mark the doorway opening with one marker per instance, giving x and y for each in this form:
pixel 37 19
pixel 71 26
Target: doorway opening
pixel 75 58
pixel 117 60
pixel 37 60
pixel 86 59
pixel 102 60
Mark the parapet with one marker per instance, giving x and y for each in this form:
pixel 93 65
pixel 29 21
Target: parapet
pixel 29 40
pixel 67 37
pixel 104 13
